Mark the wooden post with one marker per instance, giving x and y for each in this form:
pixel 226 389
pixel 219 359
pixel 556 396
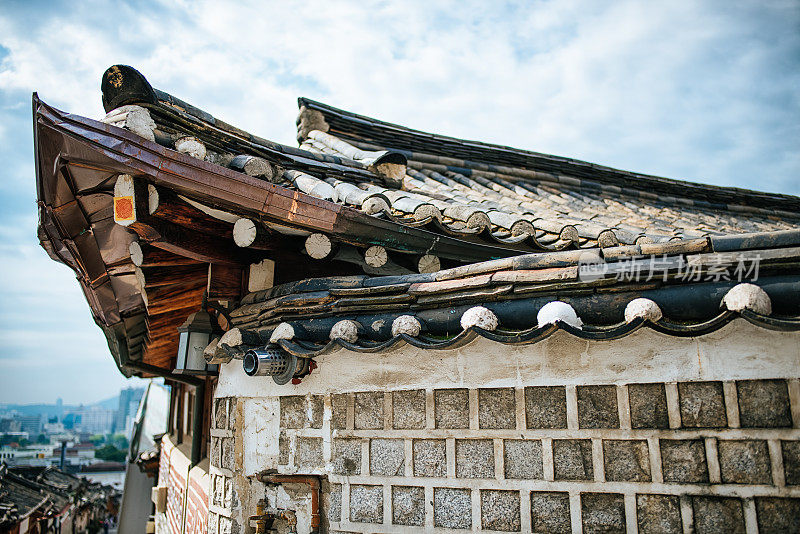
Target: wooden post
pixel 246 233
pixel 319 246
pixel 125 200
pixel 428 264
pixel 253 166
pixel 376 256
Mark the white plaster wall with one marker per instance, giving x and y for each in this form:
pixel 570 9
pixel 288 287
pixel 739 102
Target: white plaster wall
pixel 261 428
pixel 737 351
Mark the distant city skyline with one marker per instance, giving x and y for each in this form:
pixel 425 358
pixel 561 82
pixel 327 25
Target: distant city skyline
pixel 113 414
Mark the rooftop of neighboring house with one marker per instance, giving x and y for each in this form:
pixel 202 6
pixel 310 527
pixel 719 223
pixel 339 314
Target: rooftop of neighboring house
pixel 42 492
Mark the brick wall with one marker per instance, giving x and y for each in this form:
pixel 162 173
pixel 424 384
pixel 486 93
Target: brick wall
pixel 223 502
pixel 675 457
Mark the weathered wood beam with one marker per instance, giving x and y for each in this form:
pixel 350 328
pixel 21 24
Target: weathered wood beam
pixel 225 282
pixel 171 319
pixel 144 255
pixel 165 276
pixel 164 204
pixel 174 225
pixel 178 240
pixel 177 296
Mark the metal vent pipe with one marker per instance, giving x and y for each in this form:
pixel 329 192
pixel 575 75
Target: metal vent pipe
pixel 272 361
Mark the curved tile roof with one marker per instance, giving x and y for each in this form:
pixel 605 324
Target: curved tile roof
pixel 556 202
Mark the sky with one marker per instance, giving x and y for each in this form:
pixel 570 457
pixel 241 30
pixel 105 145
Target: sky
pixel 703 91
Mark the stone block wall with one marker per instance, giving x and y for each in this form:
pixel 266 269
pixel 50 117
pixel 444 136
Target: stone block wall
pixel 223 502
pixel 660 457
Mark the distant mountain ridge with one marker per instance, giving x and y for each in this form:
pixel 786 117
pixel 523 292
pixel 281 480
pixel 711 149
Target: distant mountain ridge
pixel 52 410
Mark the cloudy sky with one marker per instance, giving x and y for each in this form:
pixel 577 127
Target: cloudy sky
pixel 704 91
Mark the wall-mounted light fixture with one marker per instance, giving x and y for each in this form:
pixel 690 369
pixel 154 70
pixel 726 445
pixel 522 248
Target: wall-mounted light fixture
pixel 193 337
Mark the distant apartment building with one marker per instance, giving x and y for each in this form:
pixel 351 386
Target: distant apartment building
pixel 32 424
pixel 128 403
pixel 9 424
pixel 97 420
pixel 90 420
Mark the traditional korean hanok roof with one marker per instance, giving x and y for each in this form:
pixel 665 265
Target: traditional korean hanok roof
pixel 557 202
pixel 44 491
pixel 161 202
pixel 34 490
pixel 19 499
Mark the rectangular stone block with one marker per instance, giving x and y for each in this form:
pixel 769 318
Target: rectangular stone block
pixel 626 460
pixel 777 514
pixel 317 407
pixel 283 448
pixel 346 456
pixel 227 460
pixel 744 462
pixel 791 462
pixel 523 458
pixel 550 512
pixel 217 489
pixel 702 404
pixel 226 526
pixel 339 411
pixel 408 506
pixel 335 503
pixel 409 409
pixel 213 523
pixel 451 408
pixel 603 512
pixel 452 508
pixel 293 412
pixel 500 510
pixel 474 458
pixel 308 455
pixel 369 410
pixel 764 404
pixel 572 459
pixel 230 494
pixel 214 452
pixel 546 407
pixel 366 504
pixel 386 457
pixel 430 458
pixel 497 408
pixel 648 404
pixel 597 407
pixel 232 411
pixel 713 515
pixel 659 514
pixel 684 461
pixel 221 413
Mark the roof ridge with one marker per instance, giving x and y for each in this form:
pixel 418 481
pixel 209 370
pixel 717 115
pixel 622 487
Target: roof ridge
pixel 361 128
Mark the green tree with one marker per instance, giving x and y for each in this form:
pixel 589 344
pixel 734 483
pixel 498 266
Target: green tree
pixel 110 453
